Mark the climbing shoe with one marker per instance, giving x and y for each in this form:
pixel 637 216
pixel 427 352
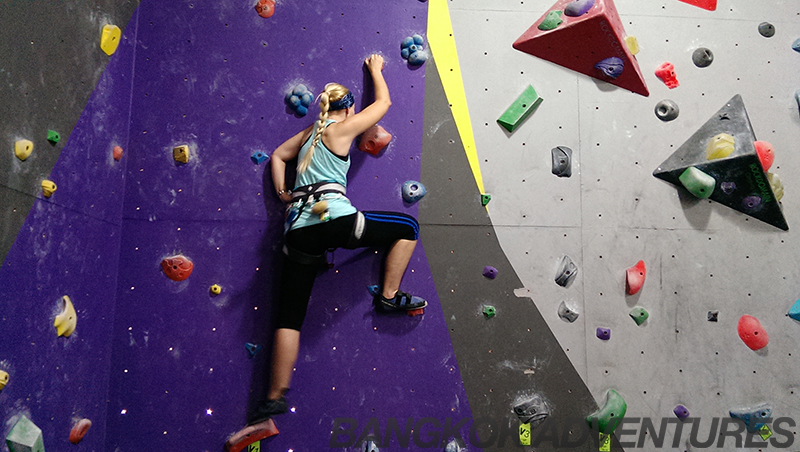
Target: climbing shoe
pixel 401 302
pixel 268 409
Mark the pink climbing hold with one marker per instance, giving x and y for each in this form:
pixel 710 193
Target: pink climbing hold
pixel 265 8
pixel 177 268
pixel 766 154
pixel 634 278
pixel 752 333
pixel 710 5
pixel 374 140
pixel 666 72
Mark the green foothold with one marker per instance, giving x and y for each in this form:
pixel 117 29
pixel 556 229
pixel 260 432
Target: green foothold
pixel 606 418
pixel 53 136
pixel 25 437
pixel 765 432
pixel 525 104
pixel 639 315
pixel 551 21
pixel 697 182
pixel 485 198
pixel 489 311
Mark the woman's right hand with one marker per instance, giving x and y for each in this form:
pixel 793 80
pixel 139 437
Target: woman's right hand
pixel 374 62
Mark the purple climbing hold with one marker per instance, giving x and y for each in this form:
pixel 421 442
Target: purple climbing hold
pixel 728 187
pixel 681 411
pixel 490 272
pixel 751 203
pixel 611 67
pixel 603 333
pixel 578 7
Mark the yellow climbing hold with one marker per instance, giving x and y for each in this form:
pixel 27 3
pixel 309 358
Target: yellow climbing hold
pixel 776 184
pixel 48 188
pixel 66 321
pixel 632 43
pixel 216 289
pixel 23 149
pixel 181 153
pixel 3 379
pixel 109 39
pixel 720 147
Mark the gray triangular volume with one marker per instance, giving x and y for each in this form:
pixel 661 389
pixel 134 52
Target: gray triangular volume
pixel 741 182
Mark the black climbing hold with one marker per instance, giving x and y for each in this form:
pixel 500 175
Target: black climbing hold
pixel 766 29
pixel 702 57
pixel 667 110
pixel 562 161
pixel 532 411
pixel 713 316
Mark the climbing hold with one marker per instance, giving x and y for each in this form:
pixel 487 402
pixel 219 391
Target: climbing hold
pixel 753 417
pixel 562 161
pixel 666 72
pixel 66 321
pixel 634 277
pixel 766 29
pixel 633 44
pixel 728 187
pixel 776 185
pixel 374 140
pixel 681 411
pixel 490 272
pixel 413 191
pixel 412 48
pixel 79 430
pixel 720 146
pixel 216 289
pixel 259 157
pixel 532 411
pixel 253 349
pixel 453 446
pixel 520 109
pixel 489 311
pixel 766 154
pixel 639 315
pixel 117 153
pixel 181 153
pixel 369 446
pixel 713 316
pixel 667 110
pixel 25 437
pixel 299 99
pixel 577 8
pixel 709 5
pixel 250 435
pixel 566 272
pixel 177 268
pixel 610 67
pixel 796 45
pixel 3 379
pixel 697 182
pixel 567 313
pixel 485 198
pixel 605 419
pixel 794 311
pixel 702 57
pixel 551 20
pixel 752 333
pixel 53 137
pixel 751 203
pixel 109 39
pixel 265 8
pixel 48 188
pixel 23 149
pixel 603 334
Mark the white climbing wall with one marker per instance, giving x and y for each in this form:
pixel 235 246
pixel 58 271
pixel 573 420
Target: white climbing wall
pixel 612 212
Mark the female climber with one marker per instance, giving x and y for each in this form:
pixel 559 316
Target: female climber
pixel 320 217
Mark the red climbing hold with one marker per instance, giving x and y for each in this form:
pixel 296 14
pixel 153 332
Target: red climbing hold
pixel 79 431
pixel 177 268
pixel 265 8
pixel 710 5
pixel 374 140
pixel 635 278
pixel 250 434
pixel 117 153
pixel 766 154
pixel 752 333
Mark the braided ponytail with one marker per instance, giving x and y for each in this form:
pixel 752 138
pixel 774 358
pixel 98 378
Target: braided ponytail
pixel 332 92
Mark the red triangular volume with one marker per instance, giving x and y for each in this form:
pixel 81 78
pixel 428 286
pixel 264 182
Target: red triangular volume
pixel 710 5
pixel 579 43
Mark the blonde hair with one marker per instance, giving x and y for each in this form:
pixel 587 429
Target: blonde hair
pixel 332 93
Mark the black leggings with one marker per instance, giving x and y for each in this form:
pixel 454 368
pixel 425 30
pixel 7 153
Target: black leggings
pixel 381 229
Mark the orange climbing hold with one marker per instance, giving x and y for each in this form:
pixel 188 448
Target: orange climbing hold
pixel 249 435
pixel 634 278
pixel 766 154
pixel 265 8
pixel 177 268
pixel 710 5
pixel 374 140
pixel 117 153
pixel 752 333
pixel 79 431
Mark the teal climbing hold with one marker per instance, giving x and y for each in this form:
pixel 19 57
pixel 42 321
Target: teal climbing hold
pixel 697 182
pixel 606 418
pixel 794 311
pixel 753 416
pixel 639 315
pixel 25 437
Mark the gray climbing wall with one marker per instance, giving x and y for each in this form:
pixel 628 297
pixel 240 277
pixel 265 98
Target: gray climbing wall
pixel 612 212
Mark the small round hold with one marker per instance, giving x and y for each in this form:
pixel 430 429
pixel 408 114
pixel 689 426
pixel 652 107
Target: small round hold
pixel 667 110
pixel 766 29
pixel 216 289
pixel 702 57
pixel 413 191
pixel 490 272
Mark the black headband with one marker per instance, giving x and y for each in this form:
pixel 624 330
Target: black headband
pixel 345 102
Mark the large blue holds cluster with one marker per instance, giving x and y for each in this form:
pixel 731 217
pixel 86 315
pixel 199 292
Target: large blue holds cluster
pixel 299 99
pixel 413 49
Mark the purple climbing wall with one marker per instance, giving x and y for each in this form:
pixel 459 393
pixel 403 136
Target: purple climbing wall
pixel 69 245
pixel 213 76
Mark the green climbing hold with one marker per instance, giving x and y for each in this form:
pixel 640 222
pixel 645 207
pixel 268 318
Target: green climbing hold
pixel 53 136
pixel 606 418
pixel 489 311
pixel 697 182
pixel 25 437
pixel 525 104
pixel 551 20
pixel 639 315
pixel 485 198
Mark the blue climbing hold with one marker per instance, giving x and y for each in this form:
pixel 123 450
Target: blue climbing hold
pixel 253 349
pixel 412 48
pixel 611 67
pixel 413 191
pixel 259 157
pixel 299 99
pixel 796 45
pixel 794 311
pixel 752 417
